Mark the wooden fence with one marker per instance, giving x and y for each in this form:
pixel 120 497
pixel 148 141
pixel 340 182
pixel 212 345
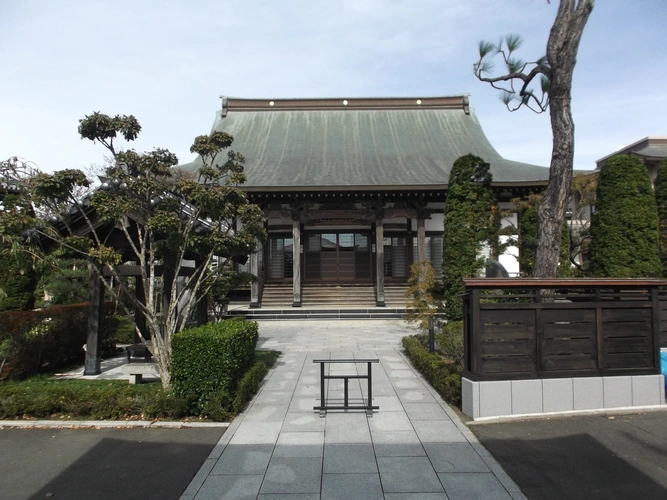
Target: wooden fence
pixel 548 328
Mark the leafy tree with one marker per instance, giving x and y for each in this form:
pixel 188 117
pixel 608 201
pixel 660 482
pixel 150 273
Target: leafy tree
pixel 166 218
pixel 553 72
pixel 661 201
pixel 471 222
pixel 624 227
pixel 68 283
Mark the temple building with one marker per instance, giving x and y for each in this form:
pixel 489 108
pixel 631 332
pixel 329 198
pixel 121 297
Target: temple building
pixel 353 190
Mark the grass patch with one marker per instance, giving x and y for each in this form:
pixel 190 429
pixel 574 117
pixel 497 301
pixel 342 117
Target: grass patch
pixel 42 397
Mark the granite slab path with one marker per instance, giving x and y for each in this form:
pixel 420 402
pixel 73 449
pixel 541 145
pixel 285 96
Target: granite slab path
pixel 413 447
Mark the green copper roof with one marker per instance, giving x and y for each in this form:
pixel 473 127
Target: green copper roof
pixel 363 143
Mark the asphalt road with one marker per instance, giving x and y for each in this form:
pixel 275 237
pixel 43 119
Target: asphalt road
pixel 101 463
pixel 588 457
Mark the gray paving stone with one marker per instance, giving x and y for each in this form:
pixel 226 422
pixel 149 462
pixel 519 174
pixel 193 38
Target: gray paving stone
pixel 293 475
pixel 346 428
pixel 390 421
pixel 472 486
pixel 389 402
pixel 351 486
pixel 299 444
pixel 301 404
pixel 415 396
pixel 257 433
pixel 272 398
pixel 303 422
pixel 244 459
pixel 438 431
pixel 349 458
pixel 425 411
pixel 238 487
pixel 454 457
pixel 415 496
pixel 397 444
pixel 290 496
pixel 266 413
pixel 408 475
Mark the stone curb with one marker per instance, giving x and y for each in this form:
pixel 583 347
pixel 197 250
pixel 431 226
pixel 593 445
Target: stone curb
pixel 104 424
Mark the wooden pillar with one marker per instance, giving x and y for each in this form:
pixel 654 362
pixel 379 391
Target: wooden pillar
pixel 139 317
pixel 296 263
pixel 379 262
pixel 254 286
pixel 421 239
pixel 95 309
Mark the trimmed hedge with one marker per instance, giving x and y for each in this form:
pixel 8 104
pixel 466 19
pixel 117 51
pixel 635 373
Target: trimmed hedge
pixel 624 227
pixel 86 399
pixel 44 340
pixel 208 361
pixel 661 201
pixel 443 376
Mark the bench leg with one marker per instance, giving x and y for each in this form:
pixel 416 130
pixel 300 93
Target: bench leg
pixel 136 378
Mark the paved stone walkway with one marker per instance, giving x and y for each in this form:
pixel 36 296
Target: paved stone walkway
pixel 414 446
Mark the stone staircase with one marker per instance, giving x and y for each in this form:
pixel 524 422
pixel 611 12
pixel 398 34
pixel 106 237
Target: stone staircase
pixel 326 302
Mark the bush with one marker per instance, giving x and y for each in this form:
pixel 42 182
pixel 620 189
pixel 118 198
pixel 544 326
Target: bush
pixel 471 220
pixel 211 359
pixel 18 285
pixel 89 399
pixel 624 227
pixel 450 342
pixel 248 385
pixel 444 376
pixel 45 340
pixel 424 302
pixel 661 202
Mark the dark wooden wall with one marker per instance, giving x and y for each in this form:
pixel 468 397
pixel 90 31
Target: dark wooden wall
pixel 574 328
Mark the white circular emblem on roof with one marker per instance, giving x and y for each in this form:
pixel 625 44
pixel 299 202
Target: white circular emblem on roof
pixel 419 101
pixel 271 103
pixel 345 102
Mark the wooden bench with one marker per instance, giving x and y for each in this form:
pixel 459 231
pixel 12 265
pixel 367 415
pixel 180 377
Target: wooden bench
pixel 368 408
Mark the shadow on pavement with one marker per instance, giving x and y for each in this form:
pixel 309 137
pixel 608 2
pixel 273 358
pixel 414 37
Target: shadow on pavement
pixel 582 457
pixel 102 463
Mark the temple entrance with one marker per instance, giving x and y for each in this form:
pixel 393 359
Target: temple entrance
pixel 337 257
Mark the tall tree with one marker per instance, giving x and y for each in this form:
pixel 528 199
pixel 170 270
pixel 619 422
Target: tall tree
pixel 165 219
pixel 470 223
pixel 554 72
pixel 624 227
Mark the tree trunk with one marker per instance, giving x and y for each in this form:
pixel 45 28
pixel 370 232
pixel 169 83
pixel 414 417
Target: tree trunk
pixel 562 50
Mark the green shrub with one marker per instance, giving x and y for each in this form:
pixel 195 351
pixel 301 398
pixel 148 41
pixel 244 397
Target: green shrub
pixel 471 220
pixel 17 284
pixel 444 376
pixel 624 227
pixel 83 399
pixel 450 342
pixel 661 202
pixel 45 340
pixel 424 302
pixel 211 359
pixel 248 386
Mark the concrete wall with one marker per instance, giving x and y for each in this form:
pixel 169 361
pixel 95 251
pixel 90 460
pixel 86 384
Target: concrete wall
pixel 533 397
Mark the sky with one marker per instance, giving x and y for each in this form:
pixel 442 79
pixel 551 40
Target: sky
pixel 168 62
